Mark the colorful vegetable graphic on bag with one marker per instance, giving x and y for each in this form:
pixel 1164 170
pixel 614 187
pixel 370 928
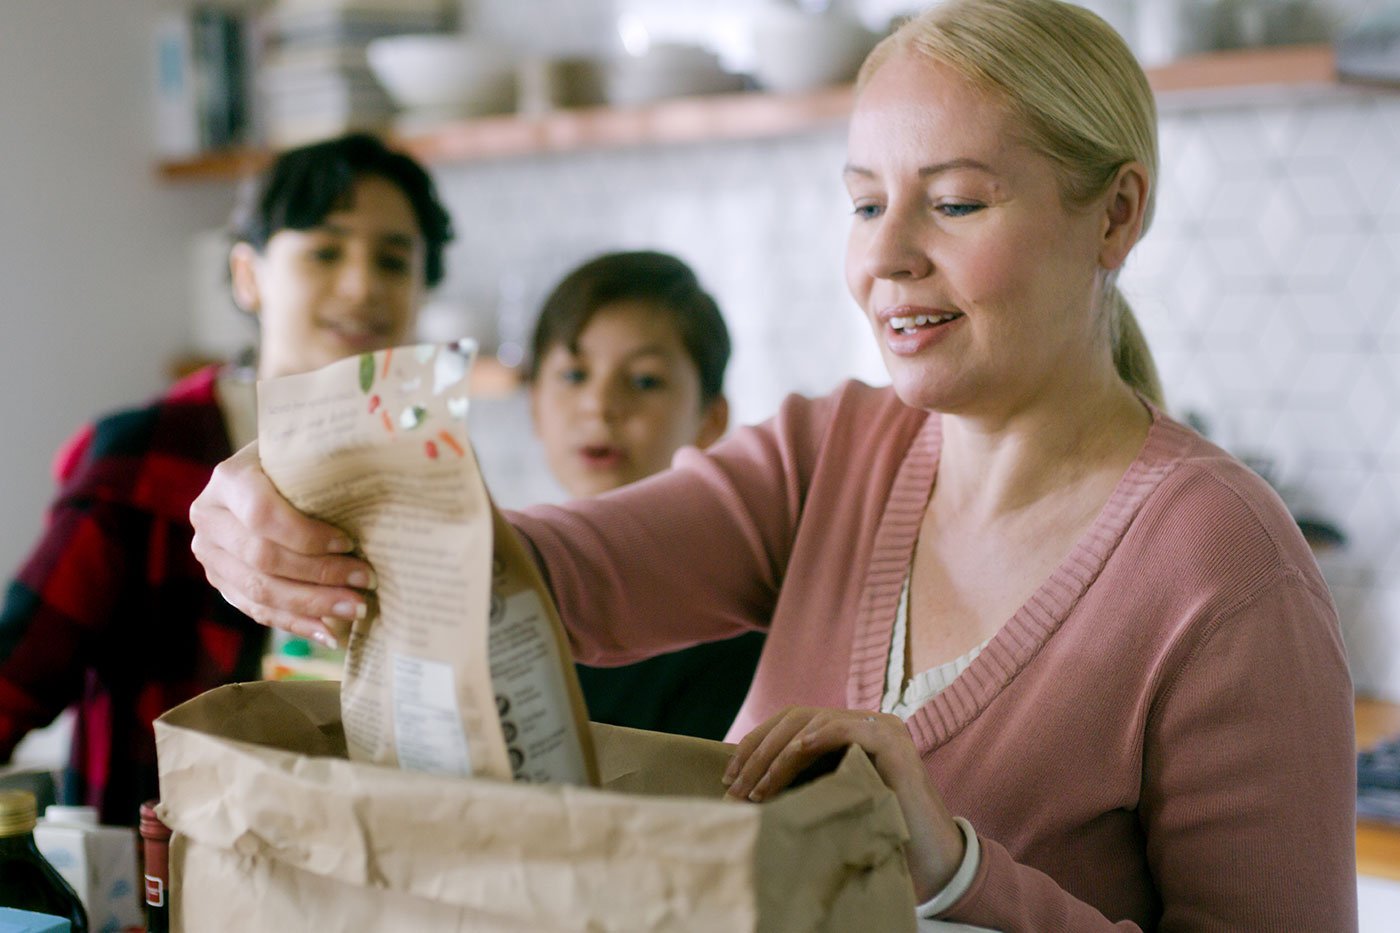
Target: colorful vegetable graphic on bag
pixel 366 372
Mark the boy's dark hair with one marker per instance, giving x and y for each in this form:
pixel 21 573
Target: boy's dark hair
pixel 655 279
pixel 304 185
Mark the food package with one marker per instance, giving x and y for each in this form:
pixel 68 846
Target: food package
pixel 461 666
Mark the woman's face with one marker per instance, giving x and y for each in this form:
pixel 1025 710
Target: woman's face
pixel 976 279
pixel 618 409
pixel 351 285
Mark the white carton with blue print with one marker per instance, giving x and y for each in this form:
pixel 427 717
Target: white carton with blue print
pixel 98 861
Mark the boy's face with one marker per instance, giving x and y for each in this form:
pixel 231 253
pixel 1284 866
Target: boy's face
pixel 618 410
pixel 351 284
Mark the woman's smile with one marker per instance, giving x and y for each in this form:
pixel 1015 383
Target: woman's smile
pixel 911 329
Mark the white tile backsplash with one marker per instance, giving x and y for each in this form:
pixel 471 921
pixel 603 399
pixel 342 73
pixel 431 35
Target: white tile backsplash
pixel 1269 287
pixel 1297 357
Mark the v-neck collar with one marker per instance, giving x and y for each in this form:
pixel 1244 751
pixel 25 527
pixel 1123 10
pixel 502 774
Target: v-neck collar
pixel 1021 637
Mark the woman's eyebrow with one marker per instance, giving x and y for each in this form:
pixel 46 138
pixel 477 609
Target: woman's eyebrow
pixel 927 170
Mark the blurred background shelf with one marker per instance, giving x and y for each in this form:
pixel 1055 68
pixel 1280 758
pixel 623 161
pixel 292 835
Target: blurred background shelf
pixel 750 115
pixel 1284 67
pixel 1221 76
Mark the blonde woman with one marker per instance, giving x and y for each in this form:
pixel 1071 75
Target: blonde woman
pixel 1089 652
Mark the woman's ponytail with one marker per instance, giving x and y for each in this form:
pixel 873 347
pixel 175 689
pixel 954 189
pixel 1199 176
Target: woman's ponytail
pixel 1131 356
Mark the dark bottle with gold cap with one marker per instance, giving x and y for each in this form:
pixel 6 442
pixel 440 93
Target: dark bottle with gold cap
pixel 27 880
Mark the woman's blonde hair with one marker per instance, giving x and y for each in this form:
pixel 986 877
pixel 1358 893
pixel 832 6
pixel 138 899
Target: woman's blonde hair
pixel 1080 98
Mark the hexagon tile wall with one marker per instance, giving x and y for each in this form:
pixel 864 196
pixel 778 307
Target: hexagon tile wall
pixel 1270 291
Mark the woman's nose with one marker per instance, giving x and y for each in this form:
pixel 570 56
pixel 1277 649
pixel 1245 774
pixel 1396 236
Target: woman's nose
pixel 895 248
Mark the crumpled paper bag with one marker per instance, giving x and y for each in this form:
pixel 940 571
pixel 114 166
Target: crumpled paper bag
pixel 275 829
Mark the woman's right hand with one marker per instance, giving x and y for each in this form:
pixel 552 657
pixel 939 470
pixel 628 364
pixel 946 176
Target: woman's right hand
pixel 271 562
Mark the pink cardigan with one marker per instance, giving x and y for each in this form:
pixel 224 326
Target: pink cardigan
pixel 1160 738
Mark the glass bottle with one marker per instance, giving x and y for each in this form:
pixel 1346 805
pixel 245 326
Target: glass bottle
pixel 155 846
pixel 27 880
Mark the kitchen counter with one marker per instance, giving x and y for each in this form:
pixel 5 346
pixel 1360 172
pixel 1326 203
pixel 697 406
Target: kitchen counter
pixel 1377 844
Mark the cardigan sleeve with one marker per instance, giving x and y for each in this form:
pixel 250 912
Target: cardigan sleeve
pixel 691 555
pixel 1249 803
pixel 1248 797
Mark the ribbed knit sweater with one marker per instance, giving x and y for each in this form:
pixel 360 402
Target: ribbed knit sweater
pixel 1160 738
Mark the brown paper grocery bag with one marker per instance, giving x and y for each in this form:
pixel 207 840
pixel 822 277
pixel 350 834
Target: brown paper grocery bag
pixel 276 830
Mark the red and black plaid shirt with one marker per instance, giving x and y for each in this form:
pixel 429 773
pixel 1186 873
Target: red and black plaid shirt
pixel 111 611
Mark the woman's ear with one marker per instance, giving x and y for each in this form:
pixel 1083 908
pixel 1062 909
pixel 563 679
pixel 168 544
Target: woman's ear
pixel 714 421
pixel 243 277
pixel 1125 209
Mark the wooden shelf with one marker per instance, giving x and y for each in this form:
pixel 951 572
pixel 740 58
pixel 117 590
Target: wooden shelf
pixel 760 115
pixel 222 165
pixel 679 120
pixel 1288 66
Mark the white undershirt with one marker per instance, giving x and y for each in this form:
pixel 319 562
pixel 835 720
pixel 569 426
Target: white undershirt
pixel 903 699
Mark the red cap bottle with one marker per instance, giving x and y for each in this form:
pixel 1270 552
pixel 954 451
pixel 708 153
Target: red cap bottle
pixel 155 843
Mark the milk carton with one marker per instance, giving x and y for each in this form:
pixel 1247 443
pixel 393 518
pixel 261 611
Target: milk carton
pixel 98 861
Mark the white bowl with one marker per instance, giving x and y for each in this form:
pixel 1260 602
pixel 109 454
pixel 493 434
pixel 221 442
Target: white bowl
pixel 796 51
pixel 443 73
pixel 667 71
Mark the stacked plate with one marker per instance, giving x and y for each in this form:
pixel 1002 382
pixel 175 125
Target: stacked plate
pixel 315 80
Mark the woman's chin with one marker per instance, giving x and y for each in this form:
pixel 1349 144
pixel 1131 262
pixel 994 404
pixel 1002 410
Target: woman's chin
pixel 918 390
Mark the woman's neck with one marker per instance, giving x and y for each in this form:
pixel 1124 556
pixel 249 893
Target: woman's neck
pixel 992 466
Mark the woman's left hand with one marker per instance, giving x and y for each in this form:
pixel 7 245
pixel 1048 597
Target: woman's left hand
pixel 773 754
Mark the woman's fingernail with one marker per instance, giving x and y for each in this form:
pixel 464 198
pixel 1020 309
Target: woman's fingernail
pixel 326 640
pixel 345 609
pixel 760 791
pixel 729 772
pixel 362 580
pixel 339 545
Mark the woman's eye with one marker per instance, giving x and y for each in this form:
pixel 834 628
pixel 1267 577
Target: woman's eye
pixel 326 254
pixel 573 375
pixel 867 211
pixel 647 383
pixel 958 208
